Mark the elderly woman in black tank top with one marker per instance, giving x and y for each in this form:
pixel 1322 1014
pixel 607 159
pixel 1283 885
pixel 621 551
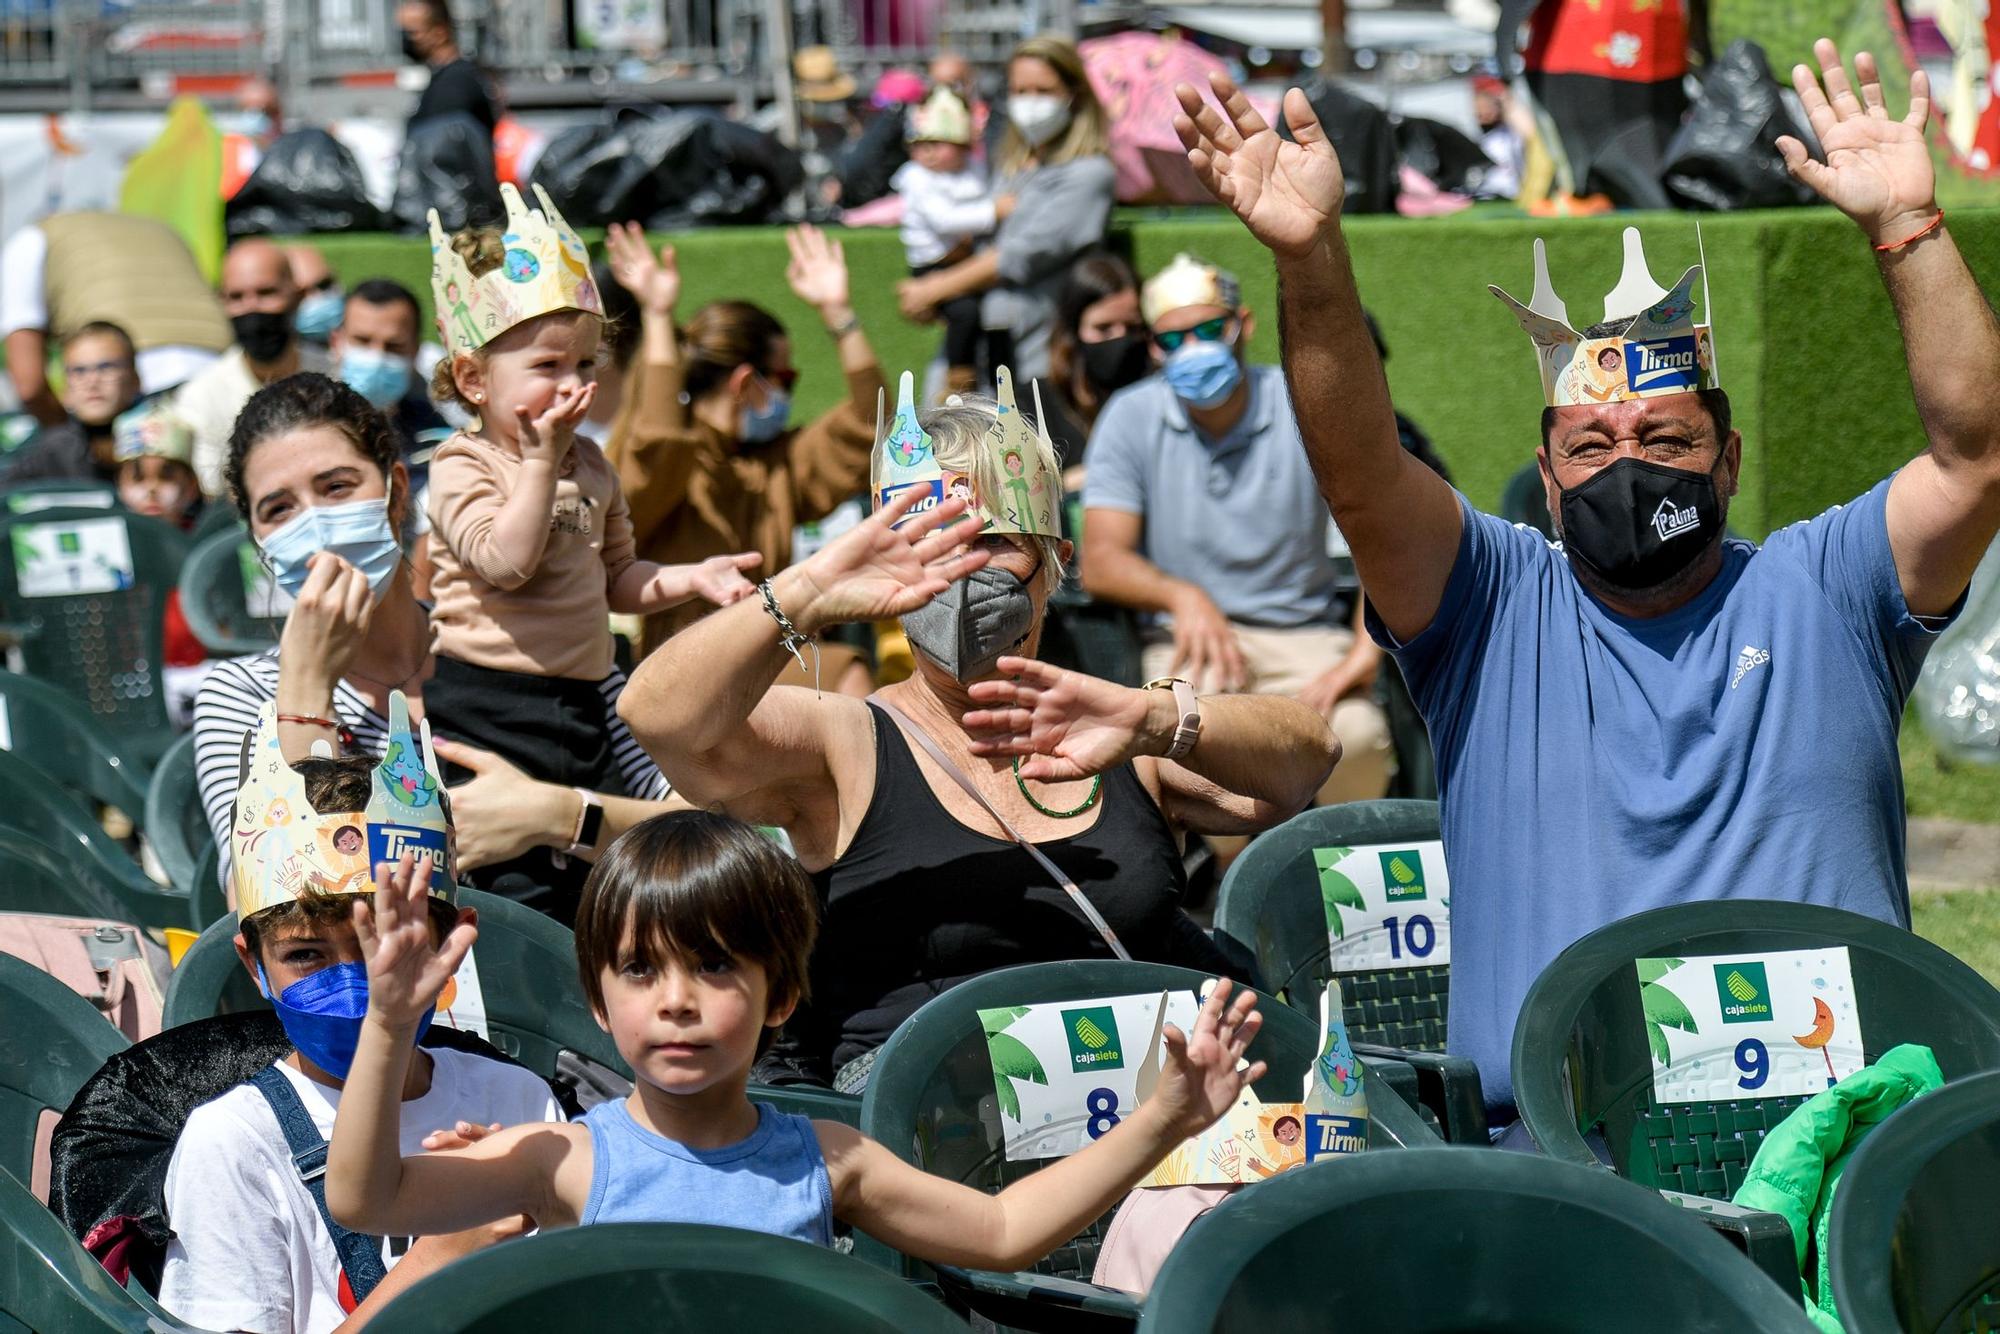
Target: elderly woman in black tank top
pixel 922 886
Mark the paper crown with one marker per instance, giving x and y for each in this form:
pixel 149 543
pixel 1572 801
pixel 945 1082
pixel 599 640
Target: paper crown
pixel 546 269
pixel 1015 486
pixel 285 850
pixel 940 118
pixel 1186 282
pixel 1647 346
pixel 151 431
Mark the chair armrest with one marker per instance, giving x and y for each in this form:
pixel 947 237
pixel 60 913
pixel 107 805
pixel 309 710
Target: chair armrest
pixel 1449 1087
pixel 1040 1302
pixel 1765 1238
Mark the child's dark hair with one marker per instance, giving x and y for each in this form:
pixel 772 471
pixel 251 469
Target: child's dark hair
pixel 695 885
pixel 333 787
pixel 300 401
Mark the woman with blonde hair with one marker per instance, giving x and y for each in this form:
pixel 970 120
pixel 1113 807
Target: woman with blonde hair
pixel 1053 162
pixel 911 808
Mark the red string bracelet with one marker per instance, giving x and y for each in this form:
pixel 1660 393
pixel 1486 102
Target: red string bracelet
pixel 345 736
pixel 1915 236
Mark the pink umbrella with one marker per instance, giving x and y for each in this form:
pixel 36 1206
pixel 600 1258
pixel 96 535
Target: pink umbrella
pixel 1134 74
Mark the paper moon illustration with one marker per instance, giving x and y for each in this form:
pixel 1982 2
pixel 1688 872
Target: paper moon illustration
pixel 1822 1029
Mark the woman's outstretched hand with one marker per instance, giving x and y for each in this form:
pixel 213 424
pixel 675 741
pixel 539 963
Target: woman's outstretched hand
pixel 1066 724
pixel 1288 194
pixel 878 570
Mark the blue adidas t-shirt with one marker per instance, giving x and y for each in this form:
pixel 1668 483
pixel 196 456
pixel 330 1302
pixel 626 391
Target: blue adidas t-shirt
pixel 1592 766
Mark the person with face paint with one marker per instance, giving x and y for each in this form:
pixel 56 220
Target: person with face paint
pixel 1647 711
pixel 1053 163
pixel 318 478
pixel 706 451
pixel 901 804
pixel 252 1247
pixel 1202 516
pixel 262 303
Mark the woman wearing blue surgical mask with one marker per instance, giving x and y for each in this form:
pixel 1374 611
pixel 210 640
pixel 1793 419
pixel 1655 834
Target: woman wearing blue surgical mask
pixel 318 477
pixel 705 449
pixel 1053 162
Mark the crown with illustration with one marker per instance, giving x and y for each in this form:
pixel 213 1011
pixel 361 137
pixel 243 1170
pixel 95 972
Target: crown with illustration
pixel 1015 485
pixel 545 269
pixel 285 850
pixel 1647 346
pixel 940 118
pixel 151 430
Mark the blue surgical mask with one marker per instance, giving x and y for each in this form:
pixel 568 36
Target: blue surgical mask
pixel 379 377
pixel 319 314
pixel 358 531
pixel 761 426
pixel 1203 374
pixel 322 1014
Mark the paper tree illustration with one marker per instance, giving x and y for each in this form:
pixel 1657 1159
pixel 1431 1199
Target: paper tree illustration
pixel 1012 1059
pixel 1336 891
pixel 1663 1008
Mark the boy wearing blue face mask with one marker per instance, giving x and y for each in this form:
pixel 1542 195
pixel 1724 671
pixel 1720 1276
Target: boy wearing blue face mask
pixel 252 1246
pixel 531 538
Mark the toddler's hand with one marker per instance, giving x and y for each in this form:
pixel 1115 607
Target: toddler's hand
pixel 1201 1080
pixel 405 975
pixel 460 1136
pixel 549 437
pixel 1003 207
pixel 720 578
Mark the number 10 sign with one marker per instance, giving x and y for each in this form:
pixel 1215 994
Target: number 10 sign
pixel 1734 1026
pixel 1387 906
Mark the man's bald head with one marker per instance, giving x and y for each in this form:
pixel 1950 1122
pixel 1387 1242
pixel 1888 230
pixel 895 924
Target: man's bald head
pixel 310 270
pixel 256 276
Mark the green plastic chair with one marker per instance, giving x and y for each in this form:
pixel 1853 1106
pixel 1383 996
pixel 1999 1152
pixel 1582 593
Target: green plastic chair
pixel 38 809
pixel 52 1040
pixel 176 826
pixel 662 1276
pixel 64 493
pixel 1269 909
pixel 51 1285
pixel 1525 500
pixel 214 587
pixel 1911 1242
pixel 1444 1240
pixel 932 1076
pixel 1582 1064
pixel 105 648
pixel 57 734
pixel 216 516
pixel 36 878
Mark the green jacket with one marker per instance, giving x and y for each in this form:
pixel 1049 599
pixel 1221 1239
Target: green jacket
pixel 1800 1162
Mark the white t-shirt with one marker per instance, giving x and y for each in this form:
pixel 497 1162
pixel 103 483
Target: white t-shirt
pixel 941 209
pixel 249 1250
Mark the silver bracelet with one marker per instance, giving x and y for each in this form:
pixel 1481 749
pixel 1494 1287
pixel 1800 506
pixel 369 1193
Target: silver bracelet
pixel 790 639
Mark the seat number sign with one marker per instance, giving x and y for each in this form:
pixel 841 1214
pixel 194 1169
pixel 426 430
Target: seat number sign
pixel 1387 906
pixel 1727 1027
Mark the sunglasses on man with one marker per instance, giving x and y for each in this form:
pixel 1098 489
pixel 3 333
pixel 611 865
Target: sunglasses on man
pixel 1208 331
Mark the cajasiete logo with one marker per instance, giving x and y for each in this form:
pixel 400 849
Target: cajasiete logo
pixel 1403 874
pixel 1093 1039
pixel 1744 992
pixel 1670 520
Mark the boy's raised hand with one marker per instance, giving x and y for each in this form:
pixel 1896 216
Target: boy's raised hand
pixel 1200 1080
pixel 405 974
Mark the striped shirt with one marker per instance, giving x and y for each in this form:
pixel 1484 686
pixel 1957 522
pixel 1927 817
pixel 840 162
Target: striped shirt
pixel 226 709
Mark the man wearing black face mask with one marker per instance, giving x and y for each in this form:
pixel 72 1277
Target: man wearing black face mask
pixel 431 38
pixel 262 302
pixel 1649 712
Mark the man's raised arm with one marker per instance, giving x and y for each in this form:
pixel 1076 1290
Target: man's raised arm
pixel 1400 519
pixel 1944 506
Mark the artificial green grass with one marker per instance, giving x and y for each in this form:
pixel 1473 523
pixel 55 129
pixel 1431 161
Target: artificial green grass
pixel 1805 339
pixel 1963 921
pixel 1938 787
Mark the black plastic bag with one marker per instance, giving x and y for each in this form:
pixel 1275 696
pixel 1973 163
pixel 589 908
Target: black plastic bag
pixel 1361 134
pixel 667 170
pixel 1446 157
pixel 447 165
pixel 1725 156
pixel 306 181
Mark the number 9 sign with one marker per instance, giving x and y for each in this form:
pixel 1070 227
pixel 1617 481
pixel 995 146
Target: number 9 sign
pixel 1753 1064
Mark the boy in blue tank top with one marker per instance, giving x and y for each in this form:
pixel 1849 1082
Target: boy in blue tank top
pixel 692 940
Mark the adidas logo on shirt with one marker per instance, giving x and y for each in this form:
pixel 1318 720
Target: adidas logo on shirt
pixel 1748 661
